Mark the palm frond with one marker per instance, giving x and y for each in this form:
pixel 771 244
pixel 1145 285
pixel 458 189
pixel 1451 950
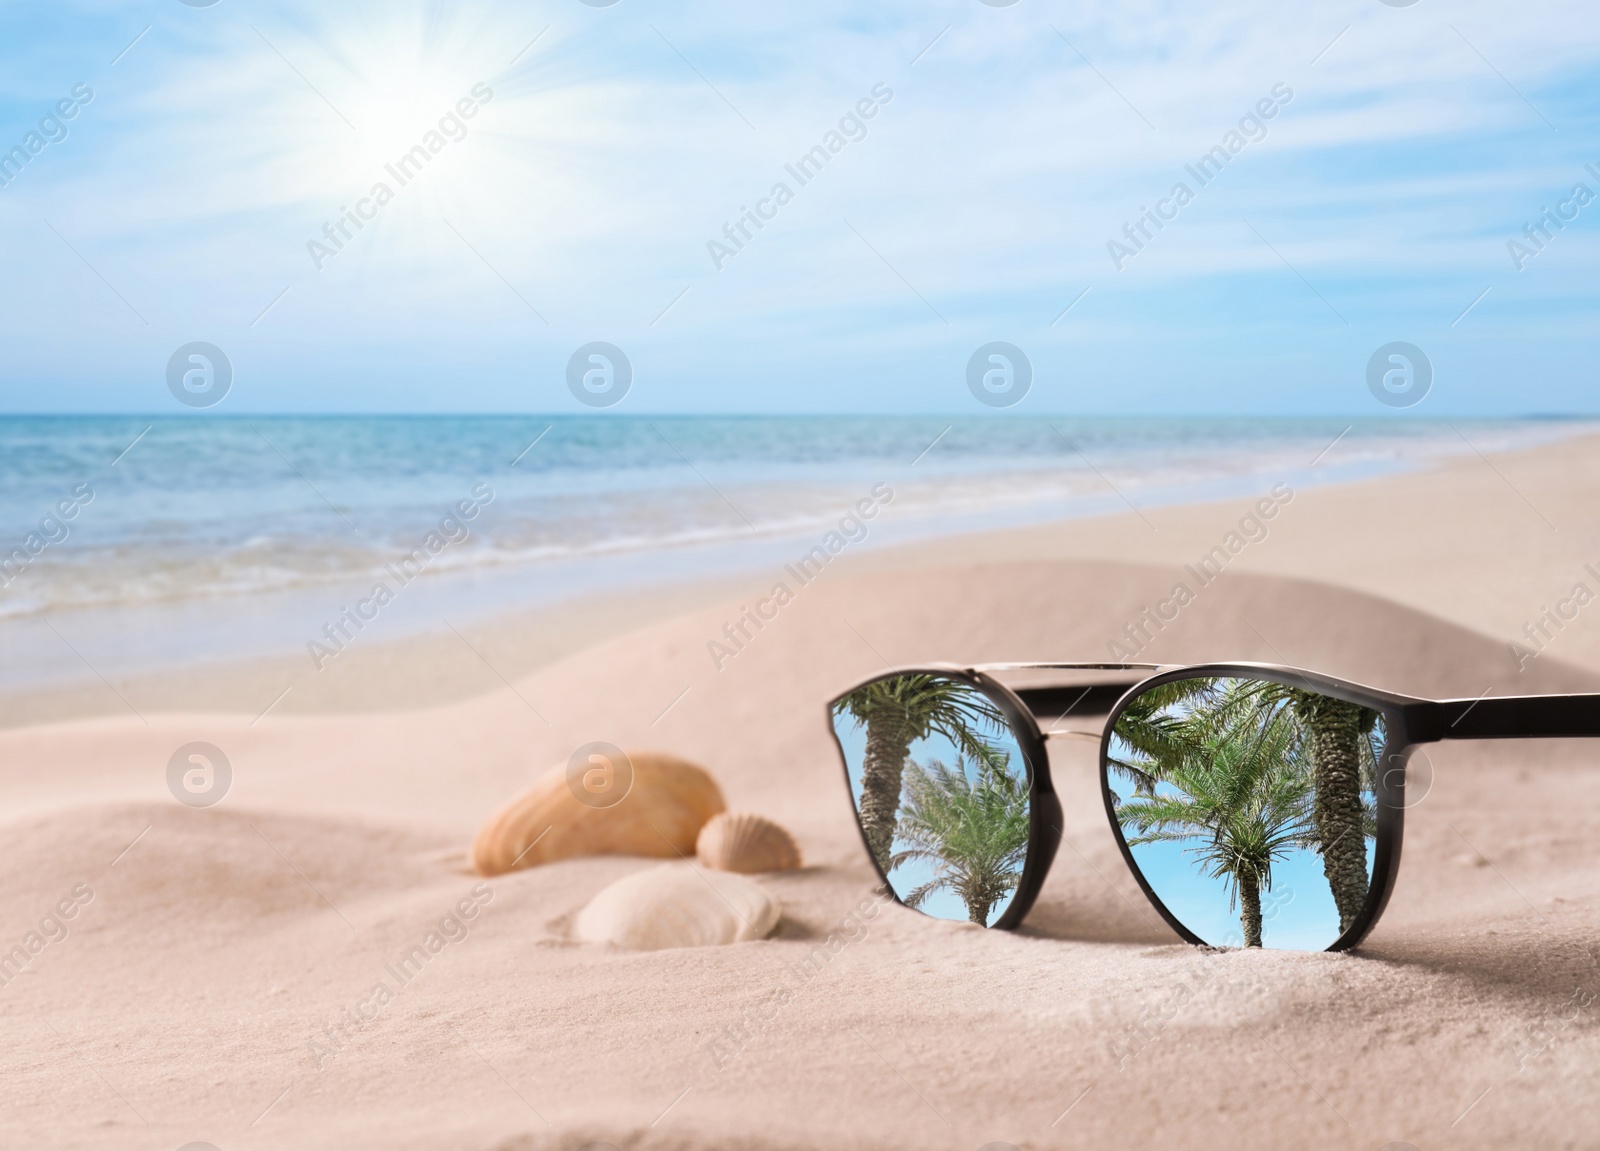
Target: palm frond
pixel 973 831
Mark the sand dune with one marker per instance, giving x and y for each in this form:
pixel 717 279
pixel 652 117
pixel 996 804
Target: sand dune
pixel 207 989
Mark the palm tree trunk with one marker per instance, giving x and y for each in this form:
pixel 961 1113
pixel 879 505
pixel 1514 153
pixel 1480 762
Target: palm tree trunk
pixel 982 889
pixel 1250 909
pixel 888 744
pixel 1335 728
pixel 978 912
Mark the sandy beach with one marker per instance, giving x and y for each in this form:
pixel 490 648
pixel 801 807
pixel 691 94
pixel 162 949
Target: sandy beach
pixel 201 989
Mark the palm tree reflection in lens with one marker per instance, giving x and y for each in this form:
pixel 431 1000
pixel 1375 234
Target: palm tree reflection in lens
pixel 968 823
pixel 1246 774
pixel 975 834
pixel 897 712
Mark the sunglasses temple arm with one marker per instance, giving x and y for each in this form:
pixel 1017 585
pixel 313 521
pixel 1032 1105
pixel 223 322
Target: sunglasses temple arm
pixel 1510 717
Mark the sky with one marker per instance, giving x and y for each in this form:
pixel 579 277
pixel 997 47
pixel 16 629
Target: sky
pixel 1009 146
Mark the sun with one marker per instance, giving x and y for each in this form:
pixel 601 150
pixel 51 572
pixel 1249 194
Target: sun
pixel 395 114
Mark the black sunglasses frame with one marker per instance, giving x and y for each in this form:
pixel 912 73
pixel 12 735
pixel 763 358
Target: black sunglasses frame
pixel 1408 722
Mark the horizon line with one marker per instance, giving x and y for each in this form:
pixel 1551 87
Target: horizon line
pixel 1373 417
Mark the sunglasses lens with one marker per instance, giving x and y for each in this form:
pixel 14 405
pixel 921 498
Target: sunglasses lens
pixel 1248 807
pixel 941 792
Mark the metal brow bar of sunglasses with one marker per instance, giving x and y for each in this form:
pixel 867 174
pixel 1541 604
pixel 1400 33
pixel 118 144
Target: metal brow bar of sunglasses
pixel 1060 694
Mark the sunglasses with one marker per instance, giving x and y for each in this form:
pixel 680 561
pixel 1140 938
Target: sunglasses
pixel 1256 805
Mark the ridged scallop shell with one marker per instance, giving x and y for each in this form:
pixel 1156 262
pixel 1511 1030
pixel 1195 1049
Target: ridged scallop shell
pixel 678 905
pixel 660 816
pixel 738 841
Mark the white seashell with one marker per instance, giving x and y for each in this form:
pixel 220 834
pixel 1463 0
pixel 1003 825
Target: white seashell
pixel 678 905
pixel 738 841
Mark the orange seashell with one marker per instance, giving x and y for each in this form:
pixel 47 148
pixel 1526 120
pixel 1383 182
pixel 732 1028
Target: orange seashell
pixel 664 803
pixel 738 841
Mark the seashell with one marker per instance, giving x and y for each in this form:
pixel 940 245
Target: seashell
pixel 678 905
pixel 738 841
pixel 660 815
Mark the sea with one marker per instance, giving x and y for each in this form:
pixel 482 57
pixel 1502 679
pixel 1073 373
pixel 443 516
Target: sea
pixel 130 544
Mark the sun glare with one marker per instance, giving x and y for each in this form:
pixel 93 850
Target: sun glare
pixel 398 114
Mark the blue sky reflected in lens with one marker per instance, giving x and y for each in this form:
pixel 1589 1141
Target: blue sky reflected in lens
pixel 1297 914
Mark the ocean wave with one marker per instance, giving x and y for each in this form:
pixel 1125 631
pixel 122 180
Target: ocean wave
pixel 151 537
